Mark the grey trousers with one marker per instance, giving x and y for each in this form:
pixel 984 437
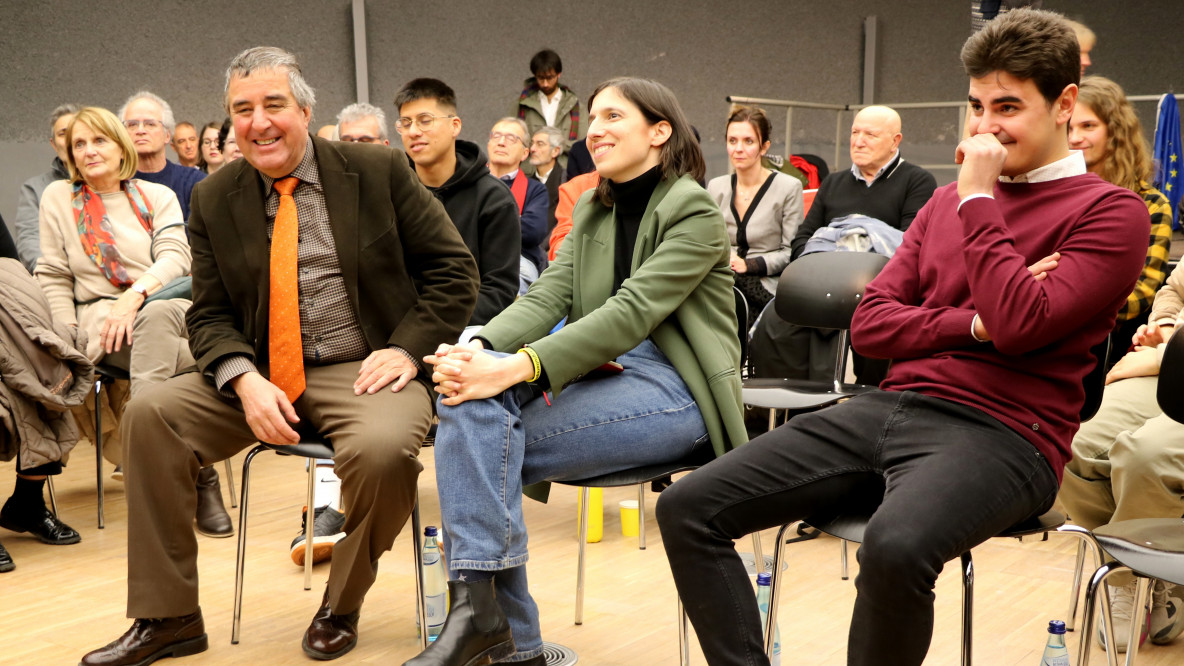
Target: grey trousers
pixel 185 424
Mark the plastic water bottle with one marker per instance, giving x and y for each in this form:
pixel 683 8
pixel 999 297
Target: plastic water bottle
pixel 1055 653
pixel 763 580
pixel 435 584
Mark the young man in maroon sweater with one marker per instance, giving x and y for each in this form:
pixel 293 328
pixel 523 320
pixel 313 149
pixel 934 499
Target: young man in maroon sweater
pixel 1003 283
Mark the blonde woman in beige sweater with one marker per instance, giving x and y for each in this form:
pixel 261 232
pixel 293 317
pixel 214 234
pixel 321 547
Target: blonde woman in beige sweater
pixel 108 242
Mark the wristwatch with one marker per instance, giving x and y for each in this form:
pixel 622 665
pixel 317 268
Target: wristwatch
pixel 140 289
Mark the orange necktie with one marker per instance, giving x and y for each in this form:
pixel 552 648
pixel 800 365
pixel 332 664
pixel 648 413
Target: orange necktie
pixel 283 341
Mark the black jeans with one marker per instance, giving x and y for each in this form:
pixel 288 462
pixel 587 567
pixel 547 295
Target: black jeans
pixel 946 477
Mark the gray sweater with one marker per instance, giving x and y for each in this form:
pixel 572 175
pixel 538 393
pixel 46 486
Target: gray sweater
pixel 773 219
pixel 28 234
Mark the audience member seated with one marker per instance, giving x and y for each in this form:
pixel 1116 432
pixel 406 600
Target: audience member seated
pixel 28 236
pixel 663 310
pixel 545 102
pixel 185 144
pixel 1128 462
pixel 569 195
pixel 971 429
pixel 579 160
pixel 344 329
pixel 881 185
pixel 149 121
pixel 1107 131
pixel 109 241
pixel 1086 41
pixel 362 123
pixel 509 146
pixel 457 172
pixel 227 143
pixel 210 158
pixel 545 147
pixel 762 209
pixel 43 374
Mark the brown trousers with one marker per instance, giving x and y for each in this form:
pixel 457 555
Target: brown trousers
pixel 184 424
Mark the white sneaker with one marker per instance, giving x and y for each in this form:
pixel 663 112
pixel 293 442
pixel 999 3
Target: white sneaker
pixel 1167 613
pixel 1122 602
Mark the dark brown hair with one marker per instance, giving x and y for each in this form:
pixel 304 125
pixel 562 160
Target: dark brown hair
pixel 1028 44
pixel 680 154
pixel 755 116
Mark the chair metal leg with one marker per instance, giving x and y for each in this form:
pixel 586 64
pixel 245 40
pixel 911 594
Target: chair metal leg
pixel 1138 615
pixel 99 447
pixel 309 519
pixel 240 558
pixel 584 498
pixel 967 608
pixel 417 546
pixel 53 497
pixel 230 484
pixel 843 559
pixel 641 516
pixel 775 590
pixel 758 554
pixel 1086 541
pixel 684 648
pixel 1097 584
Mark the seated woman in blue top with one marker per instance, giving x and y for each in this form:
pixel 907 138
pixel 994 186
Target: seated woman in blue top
pixel 761 207
pixel 643 280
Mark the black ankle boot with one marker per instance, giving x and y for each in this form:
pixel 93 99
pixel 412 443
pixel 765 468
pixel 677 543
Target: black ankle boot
pixel 212 519
pixel 475 633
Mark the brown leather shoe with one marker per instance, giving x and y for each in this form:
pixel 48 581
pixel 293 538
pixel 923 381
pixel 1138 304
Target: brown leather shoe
pixel 330 636
pixel 212 519
pixel 149 640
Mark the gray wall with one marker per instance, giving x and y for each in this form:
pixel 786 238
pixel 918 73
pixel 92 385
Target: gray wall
pixel 99 53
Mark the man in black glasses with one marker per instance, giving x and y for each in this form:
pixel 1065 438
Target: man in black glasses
pixel 457 172
pixel 362 123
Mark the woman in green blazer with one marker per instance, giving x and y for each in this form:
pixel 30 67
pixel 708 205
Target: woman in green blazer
pixel 644 282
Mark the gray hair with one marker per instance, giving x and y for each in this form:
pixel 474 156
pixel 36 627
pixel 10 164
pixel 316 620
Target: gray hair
pixel 271 57
pixel 360 110
pixel 56 115
pixel 521 125
pixel 554 135
pixel 166 111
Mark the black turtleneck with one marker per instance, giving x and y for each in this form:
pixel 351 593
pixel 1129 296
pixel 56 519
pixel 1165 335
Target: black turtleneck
pixel 630 200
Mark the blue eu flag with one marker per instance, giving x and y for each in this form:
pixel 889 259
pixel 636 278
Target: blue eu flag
pixel 1169 176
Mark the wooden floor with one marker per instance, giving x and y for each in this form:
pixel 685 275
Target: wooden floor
pixel 62 601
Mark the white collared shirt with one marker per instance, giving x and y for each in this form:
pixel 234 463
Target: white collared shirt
pixel 550 107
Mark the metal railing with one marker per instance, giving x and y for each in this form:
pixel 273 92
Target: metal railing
pixel 839 109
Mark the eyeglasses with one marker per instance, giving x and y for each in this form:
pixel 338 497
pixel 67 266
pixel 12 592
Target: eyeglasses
pixel 148 124
pixel 510 137
pixel 209 142
pixel 361 139
pixel 424 121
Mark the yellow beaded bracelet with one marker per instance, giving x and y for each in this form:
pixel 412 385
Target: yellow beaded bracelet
pixel 534 359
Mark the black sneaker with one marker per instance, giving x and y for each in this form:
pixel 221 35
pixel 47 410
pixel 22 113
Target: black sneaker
pixel 328 527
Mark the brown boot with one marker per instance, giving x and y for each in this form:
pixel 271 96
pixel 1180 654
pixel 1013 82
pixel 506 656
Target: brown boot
pixel 212 519
pixel 149 640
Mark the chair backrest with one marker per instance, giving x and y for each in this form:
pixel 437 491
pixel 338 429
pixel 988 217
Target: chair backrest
pixel 1170 388
pixel 822 290
pixel 808 200
pixel 741 323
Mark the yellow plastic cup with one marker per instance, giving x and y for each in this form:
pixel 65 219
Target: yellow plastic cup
pixel 629 518
pixel 595 515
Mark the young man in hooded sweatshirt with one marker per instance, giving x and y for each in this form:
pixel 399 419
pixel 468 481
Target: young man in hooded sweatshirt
pixel 456 171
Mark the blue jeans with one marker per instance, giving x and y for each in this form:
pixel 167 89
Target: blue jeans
pixel 486 450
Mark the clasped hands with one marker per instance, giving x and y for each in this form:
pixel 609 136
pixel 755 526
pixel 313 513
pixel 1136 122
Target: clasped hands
pixel 461 372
